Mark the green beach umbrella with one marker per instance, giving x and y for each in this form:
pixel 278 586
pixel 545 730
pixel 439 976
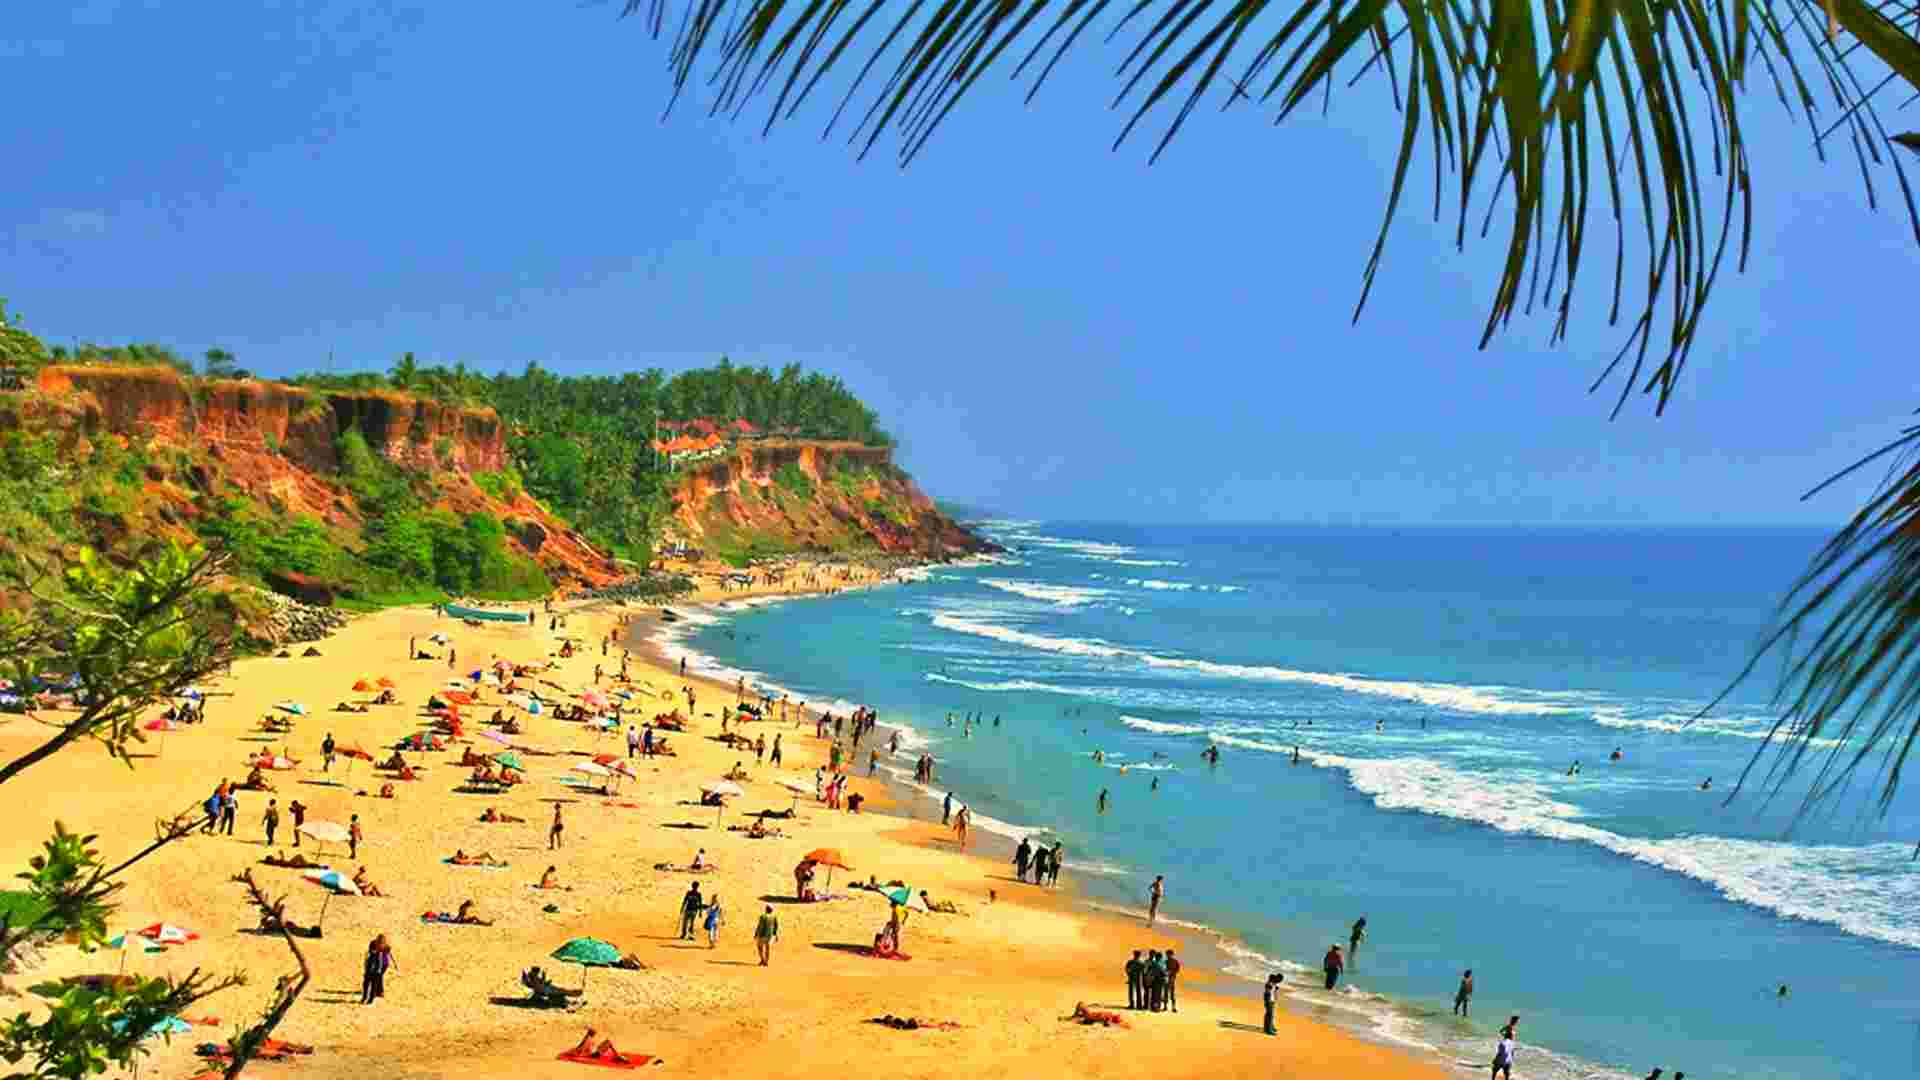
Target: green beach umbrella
pixel 587 952
pixel 511 760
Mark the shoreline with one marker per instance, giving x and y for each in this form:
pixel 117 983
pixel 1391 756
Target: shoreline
pixel 1209 951
pixel 1006 971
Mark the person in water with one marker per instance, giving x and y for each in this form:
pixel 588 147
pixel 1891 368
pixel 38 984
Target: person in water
pixel 1100 804
pixel 1707 784
pixel 1463 997
pixel 1354 939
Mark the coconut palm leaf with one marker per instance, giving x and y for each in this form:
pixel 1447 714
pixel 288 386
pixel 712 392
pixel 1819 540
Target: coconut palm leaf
pixel 1849 642
pixel 1530 104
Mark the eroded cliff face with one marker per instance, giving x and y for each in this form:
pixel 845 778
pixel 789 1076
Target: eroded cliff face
pixel 280 444
pixel 813 496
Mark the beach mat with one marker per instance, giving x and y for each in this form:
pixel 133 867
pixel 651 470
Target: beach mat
pixel 634 1061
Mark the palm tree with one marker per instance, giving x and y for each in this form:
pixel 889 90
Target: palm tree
pixel 1531 107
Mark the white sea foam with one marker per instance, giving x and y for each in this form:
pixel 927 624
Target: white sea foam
pixel 1078 547
pixel 1160 727
pixel 1865 890
pixel 1155 583
pixel 1008 684
pixel 1063 595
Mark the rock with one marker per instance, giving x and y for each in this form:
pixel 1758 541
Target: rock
pixel 531 534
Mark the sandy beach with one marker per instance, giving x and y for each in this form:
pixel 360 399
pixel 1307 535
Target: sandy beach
pixel 1007 972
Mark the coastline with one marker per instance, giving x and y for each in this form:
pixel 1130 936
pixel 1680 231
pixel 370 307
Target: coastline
pixel 1209 952
pixel 1006 971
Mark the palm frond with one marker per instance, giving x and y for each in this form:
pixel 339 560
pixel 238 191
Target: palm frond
pixel 1524 101
pixel 1849 640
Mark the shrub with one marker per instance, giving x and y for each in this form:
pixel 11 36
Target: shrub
pixel 792 479
pixel 503 485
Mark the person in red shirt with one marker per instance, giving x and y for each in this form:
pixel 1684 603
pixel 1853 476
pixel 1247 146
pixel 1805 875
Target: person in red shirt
pixel 1334 965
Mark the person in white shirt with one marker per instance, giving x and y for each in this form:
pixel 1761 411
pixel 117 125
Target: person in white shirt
pixel 1503 1059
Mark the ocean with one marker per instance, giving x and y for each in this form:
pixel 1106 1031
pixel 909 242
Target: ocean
pixel 1439 685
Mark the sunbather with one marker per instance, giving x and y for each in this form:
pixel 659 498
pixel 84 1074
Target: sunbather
pixel 493 816
pixel 944 907
pixel 461 858
pixel 466 915
pixel 386 791
pixel 295 862
pixel 257 781
pixel 365 884
pixel 394 762
pixel 550 879
pixel 604 1051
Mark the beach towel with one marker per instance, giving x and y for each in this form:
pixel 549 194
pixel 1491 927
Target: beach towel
pixel 633 1061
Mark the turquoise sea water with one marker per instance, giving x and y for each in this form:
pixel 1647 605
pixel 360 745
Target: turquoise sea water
pixel 1439 684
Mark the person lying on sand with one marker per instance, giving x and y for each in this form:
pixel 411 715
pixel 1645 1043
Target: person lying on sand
pixel 345 706
pixel 509 727
pixel 944 907
pixel 386 791
pixel 386 698
pixel 1095 1016
pixel 602 1052
pixel 708 798
pixel 275 920
pixel 461 858
pixel 757 831
pixel 406 773
pixel 493 817
pixel 365 884
pixel 296 861
pixel 780 815
pixel 873 884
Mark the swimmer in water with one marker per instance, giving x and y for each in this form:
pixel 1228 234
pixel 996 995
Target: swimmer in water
pixel 1156 784
pixel 1707 784
pixel 1100 804
pixel 1296 755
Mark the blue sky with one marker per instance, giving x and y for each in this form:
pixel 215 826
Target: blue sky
pixel 1052 328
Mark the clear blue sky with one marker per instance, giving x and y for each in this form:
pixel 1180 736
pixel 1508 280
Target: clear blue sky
pixel 1052 328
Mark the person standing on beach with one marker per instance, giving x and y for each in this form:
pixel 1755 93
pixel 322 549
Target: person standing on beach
pixel 1354 939
pixel 1136 973
pixel 633 741
pixel 1155 893
pixel 229 812
pixel 1022 856
pixel 354 836
pixel 646 740
pixel 946 810
pixel 960 823
pixel 1269 996
pixel 298 812
pixel 373 974
pixel 765 933
pixel 326 753
pixel 1173 981
pixel 1333 965
pixel 1042 859
pixel 713 921
pixel 1463 997
pixel 1156 981
pixel 556 829
pixel 1055 860
pixel 271 820
pixel 776 750
pixel 690 908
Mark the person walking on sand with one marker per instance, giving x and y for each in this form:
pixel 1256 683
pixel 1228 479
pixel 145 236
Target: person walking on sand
pixel 775 759
pixel 373 974
pixel 765 933
pixel 1463 997
pixel 714 921
pixel 326 753
pixel 1022 856
pixel 633 742
pixel 229 812
pixel 1333 965
pixel 1136 975
pixel 1354 939
pixel 690 907
pixel 298 812
pixel 271 820
pixel 1173 982
pixel 946 810
pixel 1269 996
pixel 556 829
pixel 354 836
pixel 1155 893
pixel 960 823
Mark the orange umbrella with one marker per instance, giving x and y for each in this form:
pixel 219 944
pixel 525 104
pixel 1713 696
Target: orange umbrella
pixel 355 751
pixel 387 683
pixel 458 697
pixel 827 856
pixel 362 686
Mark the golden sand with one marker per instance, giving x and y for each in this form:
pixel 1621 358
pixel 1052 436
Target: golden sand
pixel 1006 972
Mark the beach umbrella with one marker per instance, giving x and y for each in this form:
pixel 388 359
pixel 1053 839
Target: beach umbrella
pixel 458 697
pixel 592 768
pixel 510 760
pixel 797 787
pixel 906 898
pixel 335 883
pixel 168 934
pixel 362 686
pixel 326 832
pixel 437 638
pixel 609 760
pixel 292 707
pixel 829 858
pixel 587 952
pixel 386 684
pixel 724 789
pixel 277 762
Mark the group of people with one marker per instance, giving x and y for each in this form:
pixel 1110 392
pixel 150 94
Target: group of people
pixel 1153 983
pixel 1042 860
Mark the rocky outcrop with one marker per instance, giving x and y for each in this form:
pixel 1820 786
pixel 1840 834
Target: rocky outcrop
pixel 815 496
